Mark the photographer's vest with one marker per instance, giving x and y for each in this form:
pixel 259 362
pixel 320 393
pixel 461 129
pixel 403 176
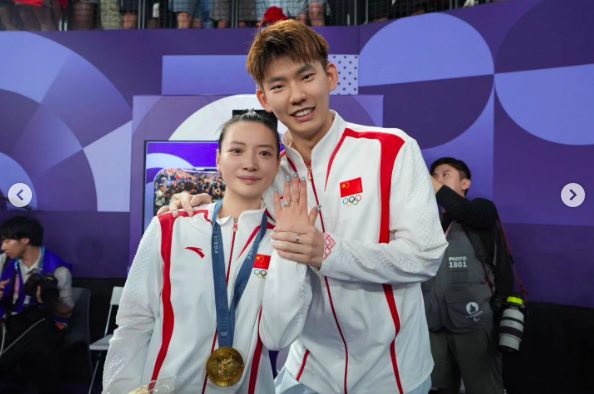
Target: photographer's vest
pixel 458 297
pixel 50 263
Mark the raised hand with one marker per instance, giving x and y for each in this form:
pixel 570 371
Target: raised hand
pixel 296 237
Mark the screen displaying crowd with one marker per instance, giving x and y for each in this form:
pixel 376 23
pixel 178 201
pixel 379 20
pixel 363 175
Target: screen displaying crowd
pixel 172 182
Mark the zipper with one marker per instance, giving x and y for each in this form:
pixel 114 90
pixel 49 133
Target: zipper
pixel 234 227
pixel 313 185
pixel 346 349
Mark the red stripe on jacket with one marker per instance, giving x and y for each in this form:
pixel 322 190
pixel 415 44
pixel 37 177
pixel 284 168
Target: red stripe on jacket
pixel 390 147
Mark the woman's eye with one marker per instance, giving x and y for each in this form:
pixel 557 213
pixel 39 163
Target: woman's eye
pixel 266 153
pixel 235 150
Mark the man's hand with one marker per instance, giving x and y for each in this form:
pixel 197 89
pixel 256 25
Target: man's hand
pixel 296 236
pixel 2 286
pixel 184 202
pixel 39 295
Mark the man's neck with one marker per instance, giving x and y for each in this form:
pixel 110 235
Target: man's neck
pixel 305 145
pixel 31 255
pixel 234 205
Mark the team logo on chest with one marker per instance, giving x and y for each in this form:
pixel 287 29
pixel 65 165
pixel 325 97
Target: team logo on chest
pixel 350 192
pixel 261 266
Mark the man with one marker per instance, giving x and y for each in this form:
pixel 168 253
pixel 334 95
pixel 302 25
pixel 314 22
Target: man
pixel 457 300
pixel 24 255
pixel 356 316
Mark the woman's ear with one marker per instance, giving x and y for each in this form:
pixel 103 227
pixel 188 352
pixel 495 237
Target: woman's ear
pixel 219 161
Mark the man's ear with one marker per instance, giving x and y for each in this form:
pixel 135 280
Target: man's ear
pixel 25 241
pixel 332 74
pixel 466 184
pixel 263 100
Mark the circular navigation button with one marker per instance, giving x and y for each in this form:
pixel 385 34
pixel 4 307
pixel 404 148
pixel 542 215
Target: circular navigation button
pixel 20 195
pixel 573 195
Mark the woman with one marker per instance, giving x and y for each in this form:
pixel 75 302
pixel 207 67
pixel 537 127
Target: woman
pixel 180 314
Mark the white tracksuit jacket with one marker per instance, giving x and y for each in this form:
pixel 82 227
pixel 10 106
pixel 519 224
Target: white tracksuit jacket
pixel 358 325
pixel 167 315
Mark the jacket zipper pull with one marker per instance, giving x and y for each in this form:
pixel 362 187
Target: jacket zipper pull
pixel 234 225
pixel 309 176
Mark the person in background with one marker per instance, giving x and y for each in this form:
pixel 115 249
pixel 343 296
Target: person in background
pixel 24 260
pixel 457 299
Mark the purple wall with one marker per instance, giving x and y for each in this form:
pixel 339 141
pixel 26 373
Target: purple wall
pixel 506 87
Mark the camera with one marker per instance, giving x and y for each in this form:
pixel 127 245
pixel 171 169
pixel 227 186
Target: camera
pixel 511 326
pixel 48 285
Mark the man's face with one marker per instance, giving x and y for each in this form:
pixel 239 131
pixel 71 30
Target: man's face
pixel 14 248
pixel 162 188
pixel 449 176
pixel 299 95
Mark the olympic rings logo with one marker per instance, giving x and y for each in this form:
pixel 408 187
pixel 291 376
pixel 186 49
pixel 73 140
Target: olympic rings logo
pixel 260 274
pixel 352 200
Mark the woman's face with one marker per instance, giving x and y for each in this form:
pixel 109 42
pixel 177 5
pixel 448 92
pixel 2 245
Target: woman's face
pixel 248 159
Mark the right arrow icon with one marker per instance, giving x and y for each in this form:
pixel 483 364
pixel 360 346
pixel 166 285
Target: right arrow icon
pixel 573 195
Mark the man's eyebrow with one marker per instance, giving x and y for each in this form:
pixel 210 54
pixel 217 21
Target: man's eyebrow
pixel 302 69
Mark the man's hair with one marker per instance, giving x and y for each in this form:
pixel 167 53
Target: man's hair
pixel 286 39
pixel 20 227
pixel 188 186
pixel 459 165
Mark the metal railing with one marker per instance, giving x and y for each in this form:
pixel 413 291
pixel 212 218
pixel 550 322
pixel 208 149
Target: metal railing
pixel 35 15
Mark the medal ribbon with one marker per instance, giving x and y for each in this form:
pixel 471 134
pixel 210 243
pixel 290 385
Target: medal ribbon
pixel 226 314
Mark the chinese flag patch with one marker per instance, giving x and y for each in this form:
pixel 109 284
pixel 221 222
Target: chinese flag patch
pixel 348 188
pixel 262 262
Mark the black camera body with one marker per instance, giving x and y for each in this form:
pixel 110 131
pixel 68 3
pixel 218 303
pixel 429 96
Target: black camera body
pixel 48 285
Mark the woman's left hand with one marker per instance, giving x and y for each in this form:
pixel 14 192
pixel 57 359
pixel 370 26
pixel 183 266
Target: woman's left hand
pixel 296 236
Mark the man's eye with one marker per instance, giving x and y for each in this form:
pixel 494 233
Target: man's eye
pixel 276 87
pixel 308 76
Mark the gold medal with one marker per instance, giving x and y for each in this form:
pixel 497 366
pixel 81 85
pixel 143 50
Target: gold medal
pixel 225 367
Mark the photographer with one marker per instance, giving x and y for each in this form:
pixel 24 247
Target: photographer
pixel 457 299
pixel 35 301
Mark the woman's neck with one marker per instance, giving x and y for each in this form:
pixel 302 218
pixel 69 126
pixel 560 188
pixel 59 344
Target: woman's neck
pixel 31 256
pixel 234 205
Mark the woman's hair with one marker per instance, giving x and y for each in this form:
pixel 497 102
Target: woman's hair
pixel 251 116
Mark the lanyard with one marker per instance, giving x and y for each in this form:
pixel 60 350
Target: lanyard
pixel 226 314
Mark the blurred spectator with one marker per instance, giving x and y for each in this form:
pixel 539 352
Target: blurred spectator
pixel 188 12
pixel 110 15
pixel 84 14
pixel 8 15
pixel 30 15
pixel 159 198
pixel 292 9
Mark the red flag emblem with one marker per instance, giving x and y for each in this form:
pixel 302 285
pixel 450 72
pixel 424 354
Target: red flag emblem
pixel 262 262
pixel 348 188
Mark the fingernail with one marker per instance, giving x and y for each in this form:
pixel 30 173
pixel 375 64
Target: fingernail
pixel 302 179
pixel 288 178
pixel 319 208
pixel 275 191
pixel 295 175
